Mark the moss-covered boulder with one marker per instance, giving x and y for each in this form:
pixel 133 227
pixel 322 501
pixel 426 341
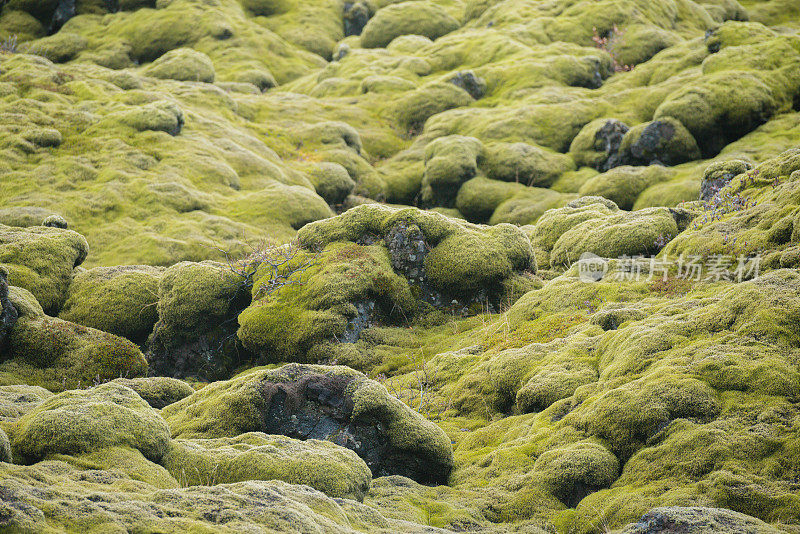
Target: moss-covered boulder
pixel 575 471
pixel 413 108
pixel 79 421
pixel 58 354
pixel 598 226
pixel 303 299
pixel 660 142
pixel 449 162
pixel 197 308
pixel 157 391
pixel 624 184
pixel 524 163
pixel 331 469
pixel 317 402
pixel 182 64
pixel 41 260
pixel 463 257
pixel 120 300
pixel 332 182
pixel 719 174
pixel 404 18
pixel 597 144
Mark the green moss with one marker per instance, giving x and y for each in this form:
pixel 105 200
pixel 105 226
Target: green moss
pixel 119 300
pixel 157 391
pixel 59 48
pixel 664 141
pixel 69 354
pixel 450 267
pixel 123 459
pixel 16 401
pixel 527 164
pixel 319 299
pixel 333 470
pixel 623 185
pixel 109 500
pixel 449 162
pixel 419 18
pixel 624 234
pixel 41 260
pixel 416 107
pixel 332 182
pixel 182 64
pixel 80 421
pixel 161 116
pixel 14 22
pixel 577 469
pixel 5 448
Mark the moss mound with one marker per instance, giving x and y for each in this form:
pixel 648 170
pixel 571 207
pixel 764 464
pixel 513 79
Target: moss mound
pixel 41 260
pixel 157 391
pixel 120 300
pixel 75 422
pixel 404 18
pixel 182 64
pixel 58 354
pixel 333 470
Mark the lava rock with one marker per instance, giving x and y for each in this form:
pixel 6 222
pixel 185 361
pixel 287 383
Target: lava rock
pixel 356 16
pixel 472 84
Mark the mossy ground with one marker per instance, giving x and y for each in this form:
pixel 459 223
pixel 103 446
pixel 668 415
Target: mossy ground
pixel 173 136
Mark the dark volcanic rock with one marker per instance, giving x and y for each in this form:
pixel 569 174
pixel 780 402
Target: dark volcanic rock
pixel 608 139
pixel 356 16
pixel 472 84
pixel 8 313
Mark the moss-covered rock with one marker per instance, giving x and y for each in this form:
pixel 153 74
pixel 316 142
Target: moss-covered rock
pixel 415 107
pixel 523 163
pixel 449 162
pixel 317 402
pixel 41 260
pixel 182 64
pixel 79 421
pixel 313 298
pixel 463 256
pixel 120 300
pixel 597 144
pixel 332 182
pixel 157 391
pixel 623 185
pixel 661 142
pixel 197 306
pixel 419 18
pixel 718 175
pixel 331 469
pixel 58 354
pixel 575 471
